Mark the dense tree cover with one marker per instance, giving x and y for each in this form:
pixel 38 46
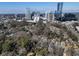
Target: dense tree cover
pixel 67 17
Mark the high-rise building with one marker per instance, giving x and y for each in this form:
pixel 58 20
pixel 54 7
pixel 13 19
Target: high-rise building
pixel 46 14
pixel 28 14
pixel 58 12
pixel 59 7
pixel 49 16
pixel 53 17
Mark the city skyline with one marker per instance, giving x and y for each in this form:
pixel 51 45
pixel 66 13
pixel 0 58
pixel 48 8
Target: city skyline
pixel 20 7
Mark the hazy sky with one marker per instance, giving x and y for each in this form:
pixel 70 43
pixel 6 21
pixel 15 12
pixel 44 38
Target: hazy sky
pixel 20 7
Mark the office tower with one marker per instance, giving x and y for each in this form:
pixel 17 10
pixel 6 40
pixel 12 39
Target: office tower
pixel 59 8
pixel 58 12
pixel 28 14
pixel 46 14
pixel 49 16
pixel 53 17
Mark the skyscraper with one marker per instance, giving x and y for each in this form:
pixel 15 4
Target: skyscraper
pixel 28 14
pixel 58 12
pixel 49 16
pixel 59 7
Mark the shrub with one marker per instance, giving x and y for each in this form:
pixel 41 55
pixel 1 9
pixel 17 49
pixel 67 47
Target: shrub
pixel 6 45
pixel 40 26
pixel 52 35
pixel 23 41
pixel 72 36
pixel 0 48
pixel 42 52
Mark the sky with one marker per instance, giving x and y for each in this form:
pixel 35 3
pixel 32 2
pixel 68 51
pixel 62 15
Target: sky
pixel 20 7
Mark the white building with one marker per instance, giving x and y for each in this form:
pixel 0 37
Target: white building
pixel 36 19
